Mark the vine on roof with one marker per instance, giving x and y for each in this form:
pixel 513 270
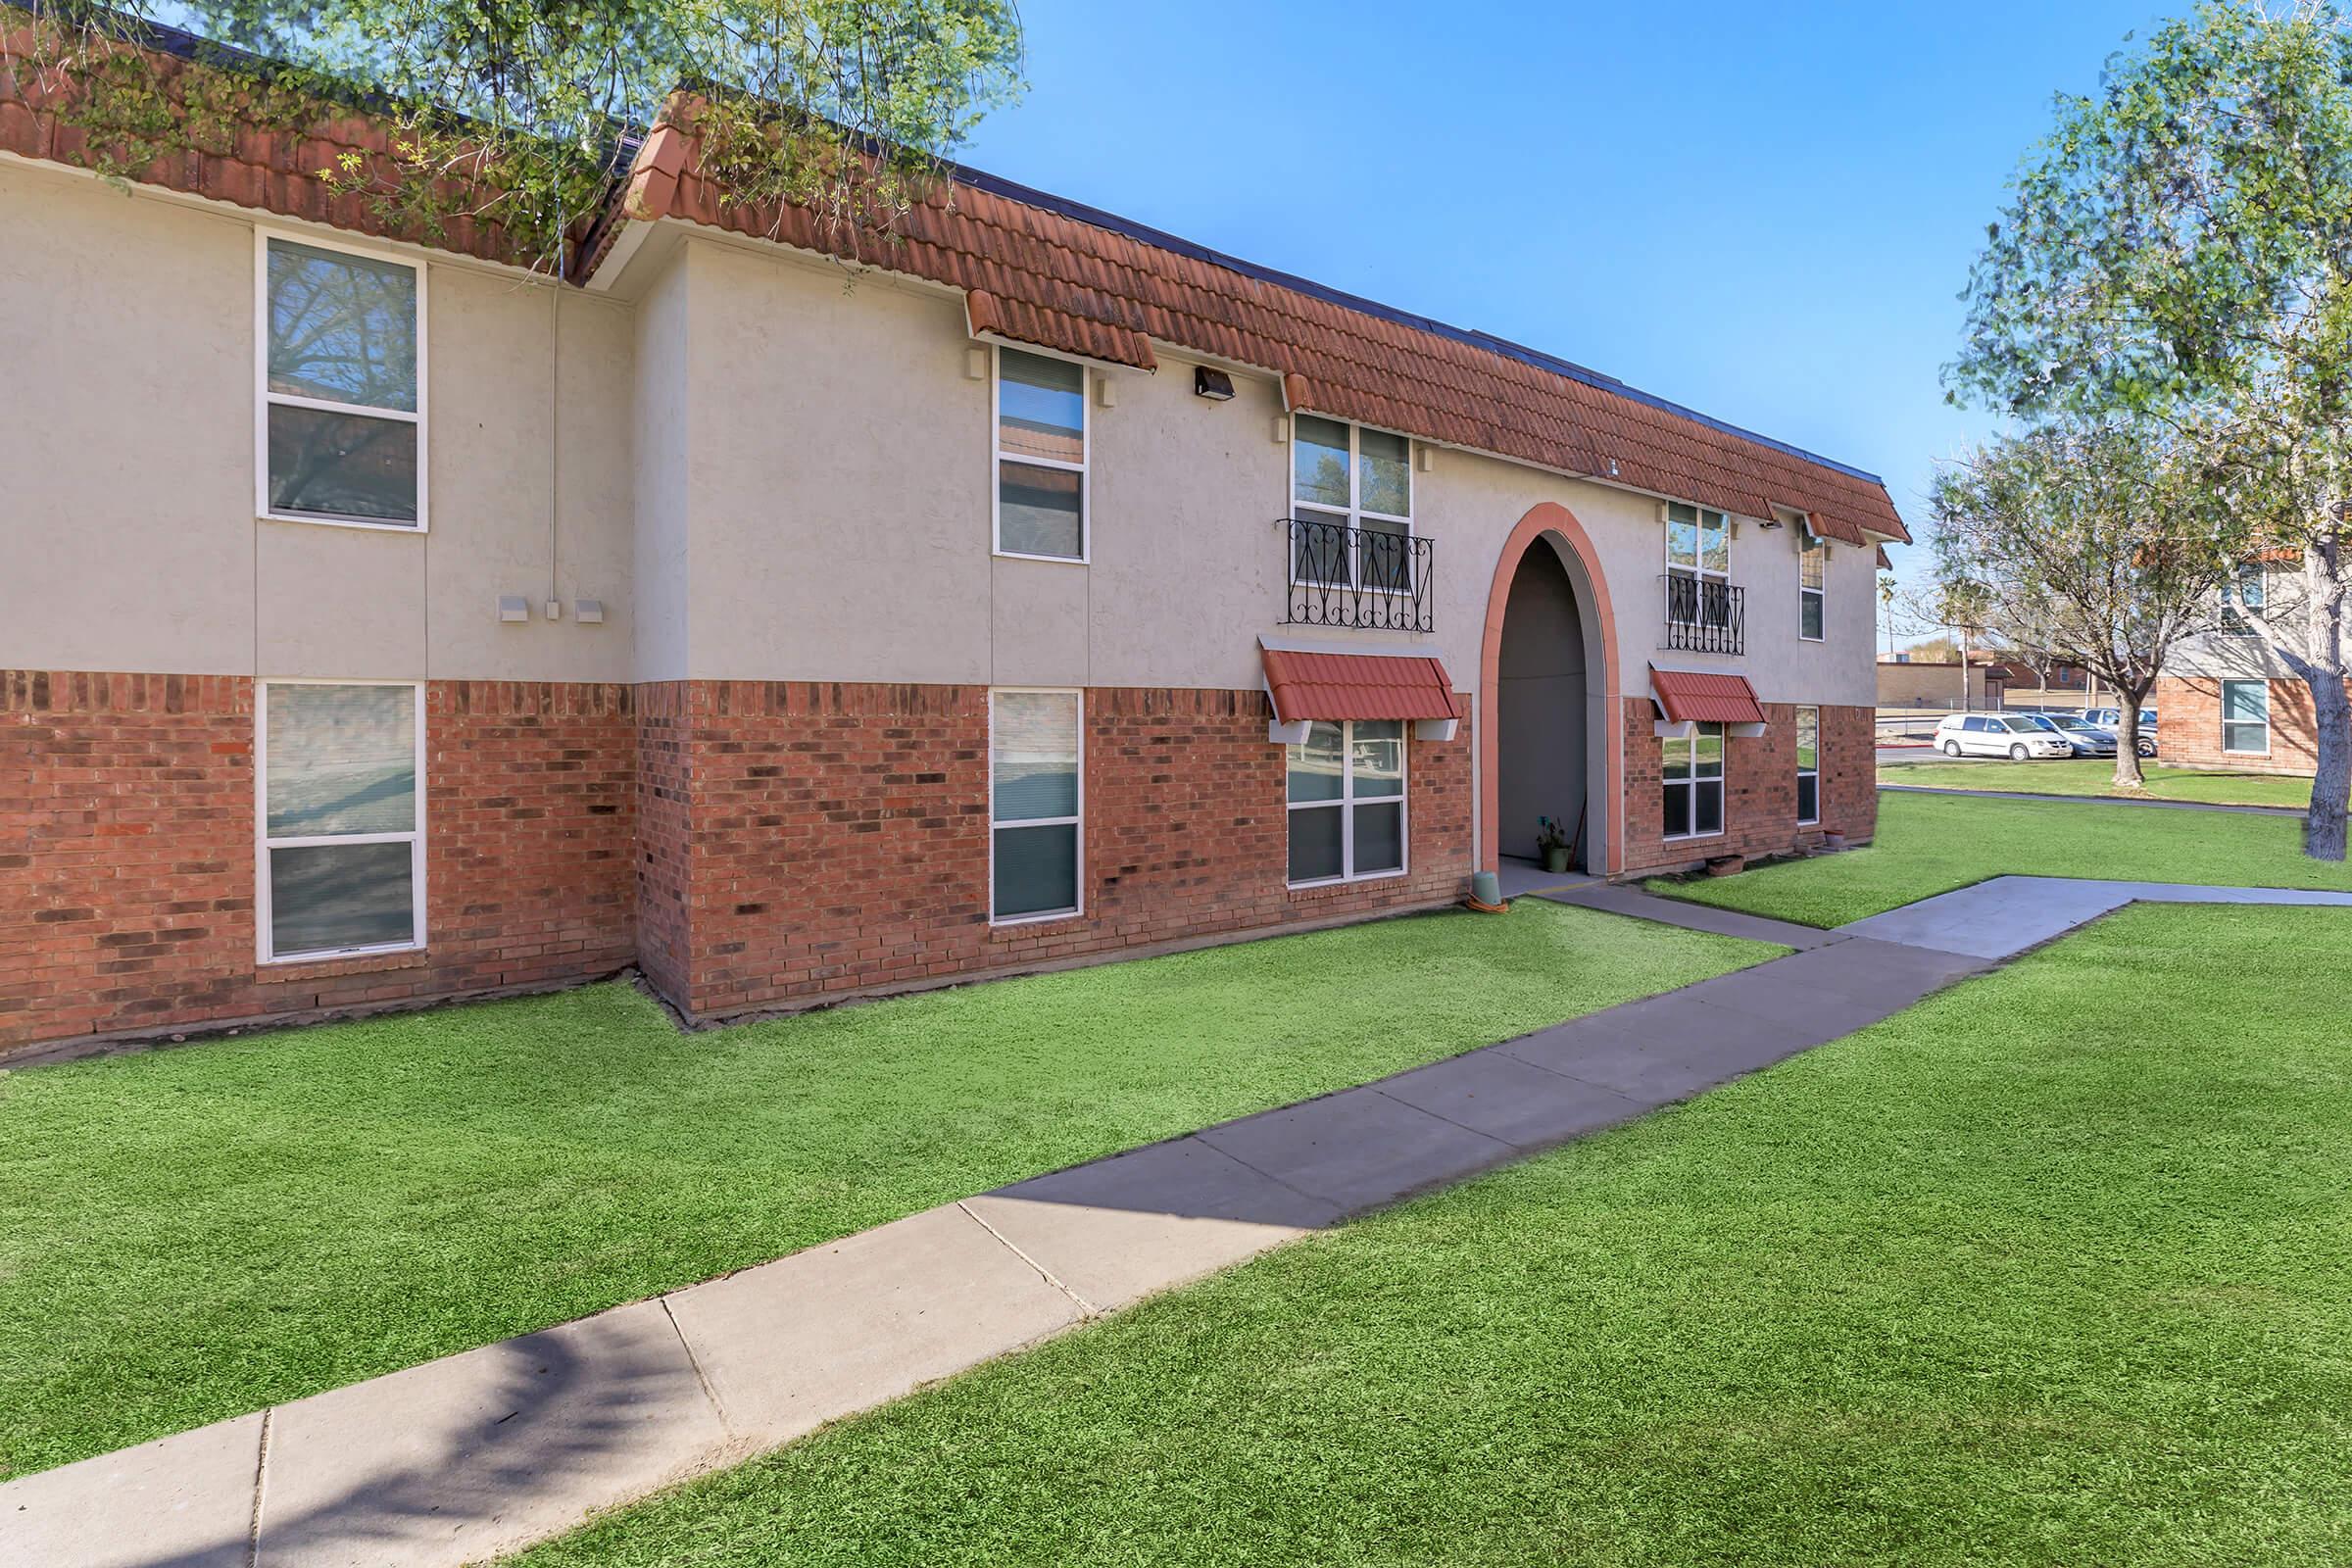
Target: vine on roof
pixel 519 116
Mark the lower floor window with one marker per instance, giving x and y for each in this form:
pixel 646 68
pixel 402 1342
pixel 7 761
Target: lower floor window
pixel 1346 789
pixel 1035 795
pixel 1692 766
pixel 2245 715
pixel 342 841
pixel 1808 764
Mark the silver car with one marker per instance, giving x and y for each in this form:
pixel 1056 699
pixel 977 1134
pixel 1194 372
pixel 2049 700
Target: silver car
pixel 2087 739
pixel 2111 719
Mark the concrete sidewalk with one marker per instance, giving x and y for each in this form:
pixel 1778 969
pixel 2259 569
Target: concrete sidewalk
pixel 2007 915
pixel 485 1452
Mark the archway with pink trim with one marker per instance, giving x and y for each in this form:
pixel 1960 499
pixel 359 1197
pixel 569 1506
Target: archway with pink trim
pixel 1543 718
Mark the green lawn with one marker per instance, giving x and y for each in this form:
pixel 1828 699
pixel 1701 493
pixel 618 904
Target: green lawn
pixel 192 1234
pixel 2015 1278
pixel 2098 778
pixel 1929 844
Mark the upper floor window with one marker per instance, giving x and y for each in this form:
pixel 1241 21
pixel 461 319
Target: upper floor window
pixel 1041 455
pixel 1352 490
pixel 1698 567
pixel 342 819
pixel 2250 596
pixel 342 386
pixel 1346 789
pixel 1812 581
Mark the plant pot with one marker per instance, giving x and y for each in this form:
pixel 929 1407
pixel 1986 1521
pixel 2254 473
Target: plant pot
pixel 1555 859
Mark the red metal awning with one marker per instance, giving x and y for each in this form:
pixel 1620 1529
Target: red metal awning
pixel 1705 698
pixel 1338 686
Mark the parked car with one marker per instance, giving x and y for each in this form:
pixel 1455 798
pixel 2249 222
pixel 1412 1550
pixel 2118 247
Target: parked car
pixel 2112 719
pixel 2087 739
pixel 2019 737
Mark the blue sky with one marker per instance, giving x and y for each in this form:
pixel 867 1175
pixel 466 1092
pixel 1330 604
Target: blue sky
pixel 1766 212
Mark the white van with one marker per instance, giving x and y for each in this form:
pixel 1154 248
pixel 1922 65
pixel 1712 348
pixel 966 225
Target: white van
pixel 2016 736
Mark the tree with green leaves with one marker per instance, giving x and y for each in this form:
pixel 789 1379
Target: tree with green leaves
pixel 2092 544
pixel 2179 250
pixel 522 113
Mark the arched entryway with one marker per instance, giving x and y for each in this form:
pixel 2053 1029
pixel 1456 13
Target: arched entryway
pixel 1548 742
pixel 1541 738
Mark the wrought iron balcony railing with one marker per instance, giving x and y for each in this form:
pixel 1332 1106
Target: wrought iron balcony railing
pixel 1705 616
pixel 1367 577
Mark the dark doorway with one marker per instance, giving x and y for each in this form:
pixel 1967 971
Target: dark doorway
pixel 1540 707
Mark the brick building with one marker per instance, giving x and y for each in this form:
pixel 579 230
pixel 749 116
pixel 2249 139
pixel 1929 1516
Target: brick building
pixel 2225 700
pixel 1058 590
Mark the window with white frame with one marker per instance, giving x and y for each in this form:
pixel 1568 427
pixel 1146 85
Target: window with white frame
pixel 2245 715
pixel 2252 594
pixel 1812 581
pixel 341 412
pixel 1036 803
pixel 1698 567
pixel 342 819
pixel 1353 491
pixel 1808 764
pixel 1041 455
pixel 1692 768
pixel 1345 790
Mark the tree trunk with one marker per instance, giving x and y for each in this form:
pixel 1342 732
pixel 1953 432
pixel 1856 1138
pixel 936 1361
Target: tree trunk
pixel 2128 773
pixel 2324 828
pixel 2321 668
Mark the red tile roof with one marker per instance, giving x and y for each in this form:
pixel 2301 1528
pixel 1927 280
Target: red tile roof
pixel 1039 269
pixel 1706 697
pixel 269 168
pixel 1050 272
pixel 1338 686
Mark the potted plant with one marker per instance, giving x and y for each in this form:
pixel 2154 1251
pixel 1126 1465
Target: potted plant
pixel 1553 844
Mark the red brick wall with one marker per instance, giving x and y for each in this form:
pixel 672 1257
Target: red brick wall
pixel 839 836
pixel 664 809
pixel 1759 788
pixel 750 843
pixel 126 852
pixel 2188 710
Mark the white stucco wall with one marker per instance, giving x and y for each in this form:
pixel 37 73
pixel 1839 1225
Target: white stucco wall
pixel 832 532
pixel 2248 656
pixel 839 522
pixel 662 398
pixel 763 470
pixel 126 449
pixel 128 330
